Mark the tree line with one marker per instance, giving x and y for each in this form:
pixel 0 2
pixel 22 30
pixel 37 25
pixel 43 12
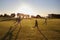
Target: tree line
pixel 6 15
pixel 37 16
pixel 13 15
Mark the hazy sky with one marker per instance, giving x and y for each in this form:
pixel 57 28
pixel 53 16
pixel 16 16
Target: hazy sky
pixel 32 7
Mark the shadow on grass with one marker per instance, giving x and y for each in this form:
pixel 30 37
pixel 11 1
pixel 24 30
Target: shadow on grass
pixel 42 33
pixel 18 33
pixel 9 33
pixel 5 20
pixel 56 30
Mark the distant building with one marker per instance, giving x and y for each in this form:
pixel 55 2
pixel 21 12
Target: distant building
pixel 53 15
pixel 23 15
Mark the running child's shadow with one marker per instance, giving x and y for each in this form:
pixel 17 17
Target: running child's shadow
pixel 7 34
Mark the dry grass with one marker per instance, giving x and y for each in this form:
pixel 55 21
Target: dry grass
pixel 51 30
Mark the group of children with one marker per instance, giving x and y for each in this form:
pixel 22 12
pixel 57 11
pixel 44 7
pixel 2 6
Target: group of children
pixel 18 20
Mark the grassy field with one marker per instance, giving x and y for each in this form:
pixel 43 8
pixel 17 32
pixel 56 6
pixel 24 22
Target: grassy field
pixel 51 31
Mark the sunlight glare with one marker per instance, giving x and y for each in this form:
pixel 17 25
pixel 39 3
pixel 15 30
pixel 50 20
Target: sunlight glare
pixel 25 9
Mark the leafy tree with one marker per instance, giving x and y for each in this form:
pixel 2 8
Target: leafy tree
pixel 5 15
pixel 13 15
pixel 38 16
pixel 1 15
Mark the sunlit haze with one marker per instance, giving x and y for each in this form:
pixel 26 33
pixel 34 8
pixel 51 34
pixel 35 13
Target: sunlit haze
pixel 31 7
pixel 25 8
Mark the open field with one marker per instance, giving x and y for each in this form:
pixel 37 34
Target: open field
pixel 51 31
